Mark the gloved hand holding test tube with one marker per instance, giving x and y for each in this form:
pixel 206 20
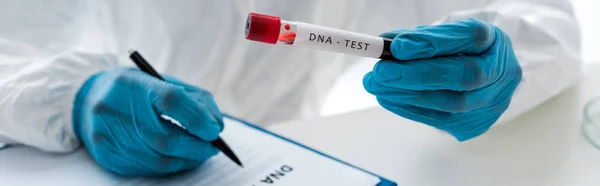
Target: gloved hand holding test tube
pixel 457 77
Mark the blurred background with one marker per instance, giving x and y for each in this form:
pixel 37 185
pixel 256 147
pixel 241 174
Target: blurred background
pixel 346 87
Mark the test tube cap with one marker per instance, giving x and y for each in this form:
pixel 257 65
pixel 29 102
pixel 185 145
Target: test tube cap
pixel 263 28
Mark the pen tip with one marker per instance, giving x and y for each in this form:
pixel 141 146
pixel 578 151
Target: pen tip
pixel 131 51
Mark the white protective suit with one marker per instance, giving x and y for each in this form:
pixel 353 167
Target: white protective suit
pixel 49 48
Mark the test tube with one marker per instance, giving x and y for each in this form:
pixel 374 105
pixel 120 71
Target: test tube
pixel 273 30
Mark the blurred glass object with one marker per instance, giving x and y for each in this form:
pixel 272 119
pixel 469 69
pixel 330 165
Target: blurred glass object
pixel 591 122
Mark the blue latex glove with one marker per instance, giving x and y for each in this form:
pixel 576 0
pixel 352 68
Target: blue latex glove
pixel 117 115
pixel 456 77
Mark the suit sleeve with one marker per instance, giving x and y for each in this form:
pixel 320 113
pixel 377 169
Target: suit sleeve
pixel 46 54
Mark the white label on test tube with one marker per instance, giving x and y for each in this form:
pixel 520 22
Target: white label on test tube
pixel 335 40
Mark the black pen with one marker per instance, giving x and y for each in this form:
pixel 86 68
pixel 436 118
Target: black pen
pixel 145 66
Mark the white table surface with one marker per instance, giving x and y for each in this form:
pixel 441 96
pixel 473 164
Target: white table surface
pixel 542 147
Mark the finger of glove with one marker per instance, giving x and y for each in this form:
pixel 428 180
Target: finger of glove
pixel 462 126
pixel 469 36
pixel 392 34
pixel 440 100
pixel 475 123
pixel 433 118
pixel 111 159
pixel 111 144
pixel 141 161
pixel 177 142
pixel 201 96
pixel 193 116
pixel 178 82
pixel 119 146
pixel 206 98
pixel 458 72
pixel 163 165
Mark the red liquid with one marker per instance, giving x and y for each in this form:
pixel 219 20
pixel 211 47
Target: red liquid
pixel 287 38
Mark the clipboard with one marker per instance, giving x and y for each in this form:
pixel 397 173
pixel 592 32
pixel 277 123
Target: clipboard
pixel 384 181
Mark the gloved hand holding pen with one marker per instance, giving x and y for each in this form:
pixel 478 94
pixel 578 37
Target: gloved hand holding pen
pixel 457 77
pixel 117 116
